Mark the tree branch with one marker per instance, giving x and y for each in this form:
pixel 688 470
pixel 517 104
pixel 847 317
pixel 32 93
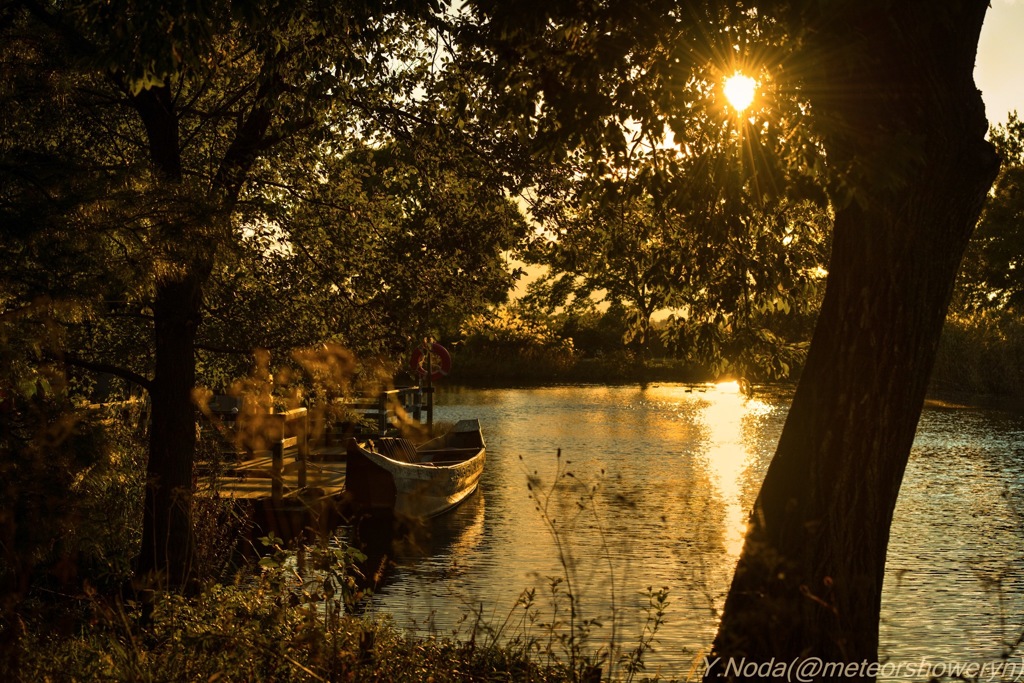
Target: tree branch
pixel 249 137
pixel 117 371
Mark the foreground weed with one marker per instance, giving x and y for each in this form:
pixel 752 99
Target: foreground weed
pixel 570 633
pixel 287 619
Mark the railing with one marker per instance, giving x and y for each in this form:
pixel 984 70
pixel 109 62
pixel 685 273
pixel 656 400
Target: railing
pixel 296 423
pixel 295 428
pixel 415 401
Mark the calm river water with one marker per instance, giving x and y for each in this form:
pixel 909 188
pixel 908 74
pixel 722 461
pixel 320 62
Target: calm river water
pixel 681 468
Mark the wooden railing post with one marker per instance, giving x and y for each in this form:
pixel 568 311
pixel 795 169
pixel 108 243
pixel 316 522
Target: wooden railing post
pixel 430 409
pixel 430 392
pixel 382 416
pixel 303 446
pixel 297 420
pixel 277 460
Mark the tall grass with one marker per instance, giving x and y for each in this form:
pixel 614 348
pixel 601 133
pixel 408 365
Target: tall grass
pixel 282 621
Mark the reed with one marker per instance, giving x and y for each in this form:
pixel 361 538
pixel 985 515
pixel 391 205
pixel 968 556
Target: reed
pixel 274 623
pixel 592 647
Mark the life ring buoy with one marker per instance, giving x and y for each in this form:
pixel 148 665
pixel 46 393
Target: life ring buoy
pixel 441 366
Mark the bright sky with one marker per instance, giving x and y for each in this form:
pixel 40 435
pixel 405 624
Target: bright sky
pixel 999 69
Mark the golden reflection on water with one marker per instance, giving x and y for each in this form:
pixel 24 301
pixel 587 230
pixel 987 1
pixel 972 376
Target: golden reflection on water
pixel 728 458
pixel 730 418
pixel 675 469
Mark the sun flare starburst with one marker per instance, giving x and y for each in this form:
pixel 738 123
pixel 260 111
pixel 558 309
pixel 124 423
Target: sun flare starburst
pixel 740 90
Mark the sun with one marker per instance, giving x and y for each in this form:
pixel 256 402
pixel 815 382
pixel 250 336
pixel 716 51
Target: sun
pixel 740 90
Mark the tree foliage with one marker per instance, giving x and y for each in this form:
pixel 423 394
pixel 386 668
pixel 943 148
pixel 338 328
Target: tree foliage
pixel 992 276
pixel 165 169
pixel 222 177
pixel 896 137
pixel 689 229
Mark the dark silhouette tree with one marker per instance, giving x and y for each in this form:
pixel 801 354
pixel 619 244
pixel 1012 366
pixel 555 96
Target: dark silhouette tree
pixel 891 91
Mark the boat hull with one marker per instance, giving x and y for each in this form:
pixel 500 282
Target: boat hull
pixel 448 472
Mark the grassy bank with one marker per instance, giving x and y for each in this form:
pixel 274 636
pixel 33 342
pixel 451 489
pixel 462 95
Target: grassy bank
pixel 296 615
pixel 252 633
pixel 273 629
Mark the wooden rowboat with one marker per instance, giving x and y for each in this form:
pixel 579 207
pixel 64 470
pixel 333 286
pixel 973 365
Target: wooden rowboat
pixel 392 474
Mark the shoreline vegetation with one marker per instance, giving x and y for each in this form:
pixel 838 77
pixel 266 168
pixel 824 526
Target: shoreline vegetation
pixel 980 360
pixel 256 619
pixel 268 629
pixel 981 355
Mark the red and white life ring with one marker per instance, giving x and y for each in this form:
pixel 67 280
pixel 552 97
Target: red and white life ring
pixel 441 364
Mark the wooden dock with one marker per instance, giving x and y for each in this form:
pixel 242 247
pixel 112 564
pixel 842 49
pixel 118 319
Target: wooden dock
pixel 255 478
pixel 288 490
pixel 289 483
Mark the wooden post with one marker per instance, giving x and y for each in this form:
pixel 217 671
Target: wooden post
pixel 303 446
pixel 417 404
pixel 297 417
pixel 277 461
pixel 430 390
pixel 430 408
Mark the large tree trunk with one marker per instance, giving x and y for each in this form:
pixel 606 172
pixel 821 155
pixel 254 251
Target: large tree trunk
pixel 167 537
pixel 166 555
pixel 899 92
pixel 168 543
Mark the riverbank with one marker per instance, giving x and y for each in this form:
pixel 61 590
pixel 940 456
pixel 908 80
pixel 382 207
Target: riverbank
pixel 981 356
pixel 270 628
pixel 254 634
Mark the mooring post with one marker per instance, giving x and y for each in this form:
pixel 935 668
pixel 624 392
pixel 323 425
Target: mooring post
pixel 417 403
pixel 382 413
pixel 430 409
pixel 430 387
